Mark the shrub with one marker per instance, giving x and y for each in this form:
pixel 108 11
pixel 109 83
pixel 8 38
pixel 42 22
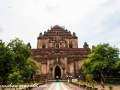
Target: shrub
pixel 110 87
pixel 102 83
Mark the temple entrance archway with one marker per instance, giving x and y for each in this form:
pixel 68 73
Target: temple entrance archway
pixel 57 72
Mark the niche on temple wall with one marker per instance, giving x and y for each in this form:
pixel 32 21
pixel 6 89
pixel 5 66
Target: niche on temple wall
pixel 43 46
pixel 70 45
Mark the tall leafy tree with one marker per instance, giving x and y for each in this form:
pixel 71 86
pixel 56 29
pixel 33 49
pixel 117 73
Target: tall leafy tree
pixel 22 63
pixel 6 62
pixel 22 53
pixel 15 61
pixel 102 59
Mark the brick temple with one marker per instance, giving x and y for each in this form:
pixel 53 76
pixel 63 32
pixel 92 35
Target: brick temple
pixel 57 54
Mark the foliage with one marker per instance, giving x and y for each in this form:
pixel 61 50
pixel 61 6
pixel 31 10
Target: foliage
pixel 110 87
pixel 115 80
pixel 15 77
pixel 30 68
pixel 80 82
pixel 6 61
pixel 90 80
pixel 19 47
pixel 102 84
pixel 117 66
pixel 15 61
pixel 22 53
pixel 102 59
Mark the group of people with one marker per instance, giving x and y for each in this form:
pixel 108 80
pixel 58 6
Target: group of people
pixel 58 77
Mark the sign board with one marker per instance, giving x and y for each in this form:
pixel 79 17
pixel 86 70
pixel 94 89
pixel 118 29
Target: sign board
pixel 74 80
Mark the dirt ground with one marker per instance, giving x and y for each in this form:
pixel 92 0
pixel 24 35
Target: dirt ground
pixel 115 87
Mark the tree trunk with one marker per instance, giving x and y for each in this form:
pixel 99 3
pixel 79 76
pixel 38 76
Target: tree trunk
pixel 4 81
pixel 107 79
pixel 102 75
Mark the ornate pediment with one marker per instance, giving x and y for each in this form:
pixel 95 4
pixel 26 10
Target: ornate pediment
pixel 57 61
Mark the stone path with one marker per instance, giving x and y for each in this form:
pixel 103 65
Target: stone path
pixel 57 86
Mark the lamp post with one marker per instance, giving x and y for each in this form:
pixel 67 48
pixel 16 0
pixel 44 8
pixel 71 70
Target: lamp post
pixel 79 78
pixel 69 77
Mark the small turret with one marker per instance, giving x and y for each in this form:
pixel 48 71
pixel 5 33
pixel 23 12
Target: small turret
pixel 44 32
pixel 74 34
pixel 86 45
pixel 93 46
pixel 40 34
pixel 48 30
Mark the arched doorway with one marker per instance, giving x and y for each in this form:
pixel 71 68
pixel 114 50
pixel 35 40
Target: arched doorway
pixel 57 72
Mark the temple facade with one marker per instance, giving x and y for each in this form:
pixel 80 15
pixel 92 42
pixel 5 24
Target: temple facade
pixel 57 54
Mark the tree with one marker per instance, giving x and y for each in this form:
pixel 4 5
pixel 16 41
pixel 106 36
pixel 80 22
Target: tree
pixel 117 66
pixel 23 63
pixel 102 59
pixel 15 61
pixel 30 68
pixel 22 53
pixel 90 80
pixel 15 78
pixel 6 62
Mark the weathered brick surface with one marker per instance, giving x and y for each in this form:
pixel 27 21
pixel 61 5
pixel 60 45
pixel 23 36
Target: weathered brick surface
pixel 58 47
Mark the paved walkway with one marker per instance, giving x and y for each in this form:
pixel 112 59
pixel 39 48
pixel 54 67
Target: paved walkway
pixel 57 86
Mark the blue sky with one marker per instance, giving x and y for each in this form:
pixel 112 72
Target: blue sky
pixel 93 21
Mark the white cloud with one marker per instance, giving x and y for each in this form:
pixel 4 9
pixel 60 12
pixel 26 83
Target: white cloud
pixel 93 21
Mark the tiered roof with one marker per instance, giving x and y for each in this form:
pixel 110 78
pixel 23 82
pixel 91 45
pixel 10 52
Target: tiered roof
pixel 72 54
pixel 55 31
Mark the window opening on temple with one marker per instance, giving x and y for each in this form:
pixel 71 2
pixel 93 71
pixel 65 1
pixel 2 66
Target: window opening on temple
pixel 70 46
pixel 57 45
pixel 43 46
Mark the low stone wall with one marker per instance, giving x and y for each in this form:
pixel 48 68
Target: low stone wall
pixel 55 80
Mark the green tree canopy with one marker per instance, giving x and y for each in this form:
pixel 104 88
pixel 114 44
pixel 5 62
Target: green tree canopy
pixel 22 63
pixel 15 61
pixel 15 77
pixel 21 51
pixel 30 68
pixel 102 59
pixel 6 61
